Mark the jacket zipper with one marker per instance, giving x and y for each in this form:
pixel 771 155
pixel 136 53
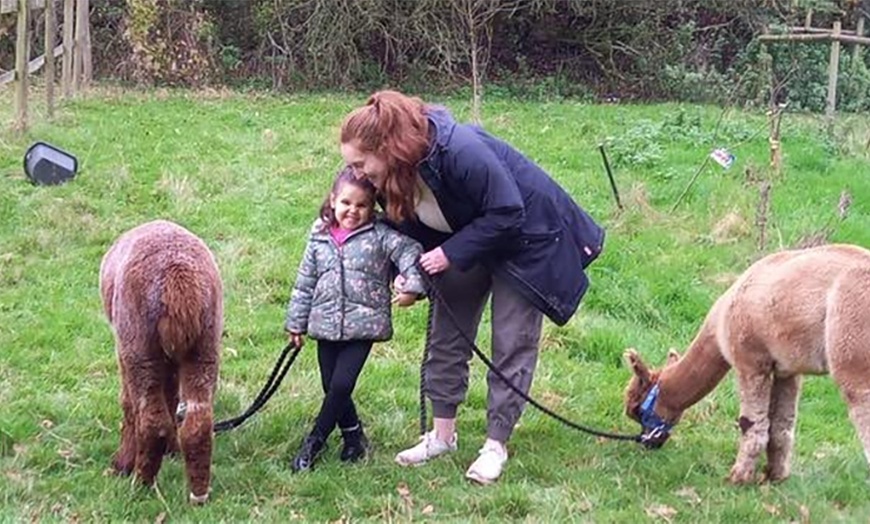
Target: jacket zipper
pixel 341 303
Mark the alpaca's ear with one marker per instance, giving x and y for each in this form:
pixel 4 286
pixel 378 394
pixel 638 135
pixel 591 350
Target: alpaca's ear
pixel 633 361
pixel 673 357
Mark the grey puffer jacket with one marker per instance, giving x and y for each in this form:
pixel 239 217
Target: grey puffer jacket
pixel 343 292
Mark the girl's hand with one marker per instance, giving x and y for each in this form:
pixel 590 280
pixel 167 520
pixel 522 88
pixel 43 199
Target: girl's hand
pixel 405 299
pixel 297 339
pixel 434 261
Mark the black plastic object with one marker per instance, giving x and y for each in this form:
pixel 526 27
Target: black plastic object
pixel 48 165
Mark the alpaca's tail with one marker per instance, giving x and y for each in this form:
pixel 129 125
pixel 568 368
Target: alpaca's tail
pixel 184 298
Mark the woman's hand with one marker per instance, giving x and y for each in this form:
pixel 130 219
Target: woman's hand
pixel 297 339
pixel 405 299
pixel 434 261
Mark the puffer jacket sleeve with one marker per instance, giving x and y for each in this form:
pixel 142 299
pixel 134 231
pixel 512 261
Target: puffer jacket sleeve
pixel 404 253
pixel 303 293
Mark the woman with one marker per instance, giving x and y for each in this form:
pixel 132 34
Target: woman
pixel 492 223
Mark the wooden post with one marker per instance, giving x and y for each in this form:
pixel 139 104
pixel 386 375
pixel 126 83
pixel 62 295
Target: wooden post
pixel 856 51
pixel 49 56
pixel 78 48
pixel 87 62
pixel 21 58
pixel 68 24
pixel 775 115
pixel 833 67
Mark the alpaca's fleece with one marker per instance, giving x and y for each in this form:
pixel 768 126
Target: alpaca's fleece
pixel 792 313
pixel 163 296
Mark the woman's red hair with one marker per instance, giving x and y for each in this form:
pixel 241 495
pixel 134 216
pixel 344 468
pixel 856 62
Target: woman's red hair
pixel 394 127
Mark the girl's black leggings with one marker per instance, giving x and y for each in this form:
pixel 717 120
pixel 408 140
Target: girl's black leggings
pixel 340 365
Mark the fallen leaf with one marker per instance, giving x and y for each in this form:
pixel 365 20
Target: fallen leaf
pixel 161 518
pixel 661 511
pixel 689 494
pixel 428 510
pixel 403 490
pixel 773 509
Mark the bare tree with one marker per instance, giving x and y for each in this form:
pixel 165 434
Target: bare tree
pixel 475 23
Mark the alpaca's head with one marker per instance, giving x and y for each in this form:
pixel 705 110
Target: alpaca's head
pixel 641 395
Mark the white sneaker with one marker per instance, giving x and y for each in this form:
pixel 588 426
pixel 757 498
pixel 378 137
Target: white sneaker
pixel 487 468
pixel 429 447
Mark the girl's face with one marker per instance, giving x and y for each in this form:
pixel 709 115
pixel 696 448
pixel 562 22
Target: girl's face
pixel 352 206
pixel 365 165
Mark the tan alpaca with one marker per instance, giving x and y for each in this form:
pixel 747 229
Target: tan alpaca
pixel 791 313
pixel 162 294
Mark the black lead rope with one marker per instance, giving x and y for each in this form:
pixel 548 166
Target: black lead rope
pixel 436 294
pixel 424 428
pixel 275 378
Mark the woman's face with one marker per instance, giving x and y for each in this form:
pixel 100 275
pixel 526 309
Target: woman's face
pixel 365 165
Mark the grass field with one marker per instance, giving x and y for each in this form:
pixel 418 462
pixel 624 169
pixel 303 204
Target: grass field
pixel 247 173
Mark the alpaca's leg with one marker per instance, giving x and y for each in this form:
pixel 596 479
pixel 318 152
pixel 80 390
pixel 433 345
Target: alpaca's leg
pixel 783 413
pixel 847 345
pixel 154 424
pixel 859 413
pixel 170 392
pixel 125 458
pixel 198 378
pixel 755 386
pixel 850 370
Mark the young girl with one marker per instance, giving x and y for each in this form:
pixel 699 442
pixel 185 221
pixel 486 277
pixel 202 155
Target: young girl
pixel 342 299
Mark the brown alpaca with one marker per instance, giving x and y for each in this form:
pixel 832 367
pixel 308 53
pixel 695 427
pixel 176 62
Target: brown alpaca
pixel 162 294
pixel 790 314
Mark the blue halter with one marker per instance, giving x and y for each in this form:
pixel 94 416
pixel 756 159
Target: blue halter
pixel 650 421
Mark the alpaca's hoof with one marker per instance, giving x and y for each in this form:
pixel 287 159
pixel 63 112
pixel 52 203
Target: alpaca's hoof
pixel 198 499
pixel 741 476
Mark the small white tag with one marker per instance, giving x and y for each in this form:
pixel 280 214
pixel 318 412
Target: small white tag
pixel 723 157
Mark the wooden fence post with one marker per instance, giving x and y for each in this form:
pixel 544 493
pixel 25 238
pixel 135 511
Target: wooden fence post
pixel 21 58
pixel 68 25
pixel 78 41
pixel 833 67
pixel 87 62
pixel 856 51
pixel 81 56
pixel 49 56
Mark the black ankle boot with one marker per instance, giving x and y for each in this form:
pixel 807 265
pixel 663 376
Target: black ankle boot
pixel 355 444
pixel 304 460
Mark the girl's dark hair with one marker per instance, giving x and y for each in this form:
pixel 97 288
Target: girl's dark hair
pixel 345 176
pixel 395 127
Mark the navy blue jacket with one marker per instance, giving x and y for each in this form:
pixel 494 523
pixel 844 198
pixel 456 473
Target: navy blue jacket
pixel 507 214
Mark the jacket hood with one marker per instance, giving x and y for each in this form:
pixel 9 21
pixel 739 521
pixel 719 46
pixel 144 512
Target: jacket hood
pixel 444 124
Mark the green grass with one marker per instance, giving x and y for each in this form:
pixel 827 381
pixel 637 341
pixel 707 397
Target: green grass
pixel 247 174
